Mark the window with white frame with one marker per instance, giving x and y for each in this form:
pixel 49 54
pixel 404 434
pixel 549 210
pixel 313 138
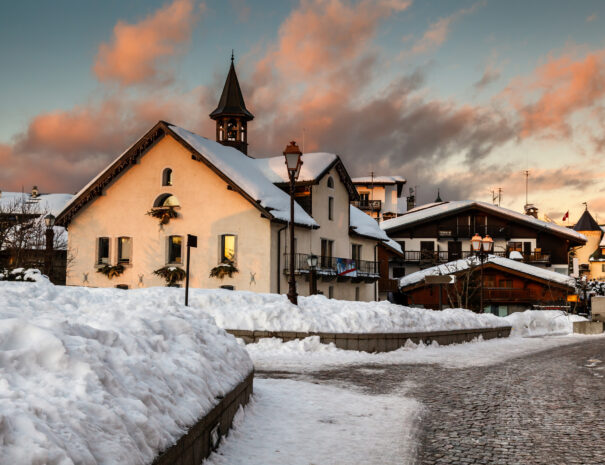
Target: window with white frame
pixel 175 250
pixel 124 250
pixel 103 251
pixel 228 246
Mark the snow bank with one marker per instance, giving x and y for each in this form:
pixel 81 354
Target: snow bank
pixel 103 376
pixel 271 312
pixel 541 322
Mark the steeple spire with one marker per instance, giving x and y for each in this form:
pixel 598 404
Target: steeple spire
pixel 231 114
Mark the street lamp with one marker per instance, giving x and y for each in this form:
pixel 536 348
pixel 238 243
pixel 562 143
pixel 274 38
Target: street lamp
pixel 293 157
pixel 49 220
pixel 482 247
pixel 312 262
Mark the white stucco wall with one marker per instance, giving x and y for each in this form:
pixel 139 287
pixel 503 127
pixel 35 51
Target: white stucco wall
pixel 208 209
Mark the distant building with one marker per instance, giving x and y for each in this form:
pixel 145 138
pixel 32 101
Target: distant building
pixel 440 232
pixel 508 286
pixel 381 197
pixel 591 256
pixel 23 231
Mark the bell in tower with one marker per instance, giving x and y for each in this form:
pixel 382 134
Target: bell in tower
pixel 231 114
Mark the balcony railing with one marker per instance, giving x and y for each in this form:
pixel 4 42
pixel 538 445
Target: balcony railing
pixel 444 256
pixel 470 231
pixel 372 205
pixel 500 294
pixel 335 267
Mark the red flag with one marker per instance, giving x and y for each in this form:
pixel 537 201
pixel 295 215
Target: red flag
pixel 566 216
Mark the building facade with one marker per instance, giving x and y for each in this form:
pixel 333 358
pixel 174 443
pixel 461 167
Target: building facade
pixel 381 197
pixel 440 232
pixel 128 226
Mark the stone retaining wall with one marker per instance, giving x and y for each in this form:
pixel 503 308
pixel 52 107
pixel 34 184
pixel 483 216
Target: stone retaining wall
pixel 377 342
pixel 203 437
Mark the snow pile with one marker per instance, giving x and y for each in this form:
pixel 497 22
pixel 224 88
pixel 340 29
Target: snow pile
pixel 271 312
pixel 541 322
pixel 104 376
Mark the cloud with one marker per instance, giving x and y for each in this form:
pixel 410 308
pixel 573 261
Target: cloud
pixel 591 18
pixel 242 10
pixel 556 91
pixel 134 54
pixel 490 75
pixel 437 32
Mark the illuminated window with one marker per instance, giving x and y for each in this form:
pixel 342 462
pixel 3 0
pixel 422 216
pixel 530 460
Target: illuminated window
pixel 175 249
pixel 124 249
pixel 103 251
pixel 227 248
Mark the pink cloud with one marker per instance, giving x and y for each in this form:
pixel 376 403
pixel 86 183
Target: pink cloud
pixel 556 91
pixel 133 55
pixel 437 32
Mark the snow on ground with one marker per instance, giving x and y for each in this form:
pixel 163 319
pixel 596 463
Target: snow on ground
pixel 102 376
pixel 301 423
pixel 309 354
pixel 272 312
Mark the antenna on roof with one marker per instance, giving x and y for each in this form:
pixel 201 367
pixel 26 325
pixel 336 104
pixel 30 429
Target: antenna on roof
pixel 526 185
pixel 585 205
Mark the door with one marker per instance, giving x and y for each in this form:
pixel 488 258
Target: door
pixel 454 250
pixel 427 250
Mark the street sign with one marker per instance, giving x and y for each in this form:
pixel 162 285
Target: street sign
pixel 440 279
pixel 191 240
pixel 572 298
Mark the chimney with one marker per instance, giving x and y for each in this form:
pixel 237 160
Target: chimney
pixel 531 210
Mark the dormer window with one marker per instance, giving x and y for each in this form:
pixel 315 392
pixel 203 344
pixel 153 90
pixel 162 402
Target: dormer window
pixel 167 177
pixel 331 182
pixel 166 200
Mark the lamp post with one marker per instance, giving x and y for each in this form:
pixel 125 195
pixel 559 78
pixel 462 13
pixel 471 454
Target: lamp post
pixel 49 220
pixel 293 157
pixel 482 247
pixel 312 262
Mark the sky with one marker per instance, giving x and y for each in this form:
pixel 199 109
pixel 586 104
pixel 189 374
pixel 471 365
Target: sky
pixel 460 96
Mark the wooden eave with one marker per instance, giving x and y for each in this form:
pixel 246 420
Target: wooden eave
pixel 490 212
pixel 391 249
pixel 131 157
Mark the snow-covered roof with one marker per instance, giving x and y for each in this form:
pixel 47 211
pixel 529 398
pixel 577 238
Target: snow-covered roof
pixel 43 203
pixel 314 165
pixel 394 245
pixel 365 225
pixel 245 172
pixel 464 264
pixel 429 211
pixel 378 180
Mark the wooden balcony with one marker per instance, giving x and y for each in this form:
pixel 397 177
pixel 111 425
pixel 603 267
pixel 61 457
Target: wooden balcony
pixel 426 257
pixel 368 205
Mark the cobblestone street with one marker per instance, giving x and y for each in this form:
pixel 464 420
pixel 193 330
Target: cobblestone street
pixel 545 408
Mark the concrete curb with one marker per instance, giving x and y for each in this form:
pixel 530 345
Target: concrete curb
pixel 377 342
pixel 203 437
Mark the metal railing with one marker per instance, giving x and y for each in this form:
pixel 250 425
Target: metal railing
pixel 373 205
pixel 336 266
pixel 470 231
pixel 501 294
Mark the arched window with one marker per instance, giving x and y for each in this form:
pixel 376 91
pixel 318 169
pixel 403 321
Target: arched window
pixel 167 177
pixel 166 200
pixel 331 182
pixel 232 130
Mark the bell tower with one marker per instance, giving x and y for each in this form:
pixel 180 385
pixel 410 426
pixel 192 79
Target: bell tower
pixel 231 114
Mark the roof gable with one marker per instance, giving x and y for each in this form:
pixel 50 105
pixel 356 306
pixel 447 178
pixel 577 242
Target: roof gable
pixel 511 266
pixel 235 168
pixel 586 223
pixel 430 212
